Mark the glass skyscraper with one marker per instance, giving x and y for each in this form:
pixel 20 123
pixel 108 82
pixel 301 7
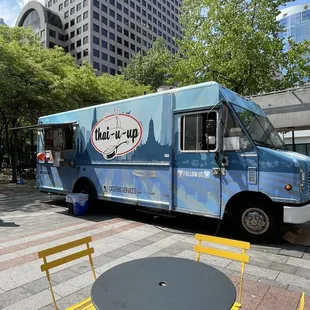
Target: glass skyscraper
pixel 296 23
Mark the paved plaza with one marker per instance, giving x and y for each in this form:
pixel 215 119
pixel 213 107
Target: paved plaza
pixel 31 221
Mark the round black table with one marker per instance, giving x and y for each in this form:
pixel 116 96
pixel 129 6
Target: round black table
pixel 163 283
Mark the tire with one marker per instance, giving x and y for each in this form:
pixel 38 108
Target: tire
pixel 258 222
pixel 85 187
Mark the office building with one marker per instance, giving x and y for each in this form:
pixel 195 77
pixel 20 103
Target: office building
pixel 106 33
pixel 296 23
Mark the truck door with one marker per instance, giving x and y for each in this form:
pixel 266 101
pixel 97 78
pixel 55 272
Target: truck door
pixel 196 183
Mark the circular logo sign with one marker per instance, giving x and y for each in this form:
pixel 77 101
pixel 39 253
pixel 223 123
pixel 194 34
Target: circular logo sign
pixel 116 135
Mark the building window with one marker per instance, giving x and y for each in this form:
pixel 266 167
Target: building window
pixel 96 3
pixel 95 28
pixel 126 33
pixel 72 46
pixel 79 7
pixel 85 15
pixel 119 28
pixel 78 43
pixel 79 19
pixel 85 40
pixel 104 8
pixel 95 15
pixel 126 43
pixel 104 20
pixel 104 69
pixel 72 34
pixel 104 56
pixel 132 36
pixel 85 52
pixel 96 66
pixel 119 17
pixel 112 60
pixel 85 3
pixel 132 15
pixel 112 48
pixel 126 11
pixel 104 44
pixel 104 32
pixel 61 6
pixel 112 24
pixel 112 71
pixel 126 55
pixel 112 2
pixel 49 3
pixel 78 55
pixel 85 27
pixel 119 6
pixel 72 11
pixel 112 36
pixel 66 14
pixel 96 40
pixel 61 37
pixel 112 13
pixel 72 22
pixel 133 47
pixel 120 52
pixel 119 63
pixel 96 53
pixel 52 33
pixel 66 3
pixel 119 40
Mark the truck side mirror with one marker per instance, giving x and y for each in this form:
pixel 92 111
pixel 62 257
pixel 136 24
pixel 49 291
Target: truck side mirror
pixel 210 134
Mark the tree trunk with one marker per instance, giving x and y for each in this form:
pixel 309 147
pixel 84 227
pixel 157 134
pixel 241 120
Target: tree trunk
pixel 13 149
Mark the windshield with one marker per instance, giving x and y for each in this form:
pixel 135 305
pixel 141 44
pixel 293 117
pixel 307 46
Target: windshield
pixel 260 129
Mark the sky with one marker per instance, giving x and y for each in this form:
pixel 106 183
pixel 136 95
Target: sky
pixel 9 9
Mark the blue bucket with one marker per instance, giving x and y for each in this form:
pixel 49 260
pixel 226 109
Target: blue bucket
pixel 80 203
pixel 79 210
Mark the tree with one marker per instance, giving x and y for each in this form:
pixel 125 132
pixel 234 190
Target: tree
pixel 37 81
pixel 114 88
pixel 152 68
pixel 237 43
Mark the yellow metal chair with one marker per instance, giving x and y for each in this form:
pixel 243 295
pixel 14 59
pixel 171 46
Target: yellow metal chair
pixel 301 305
pixel 241 257
pixel 86 304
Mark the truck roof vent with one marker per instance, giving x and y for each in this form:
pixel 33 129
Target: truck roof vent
pixel 164 87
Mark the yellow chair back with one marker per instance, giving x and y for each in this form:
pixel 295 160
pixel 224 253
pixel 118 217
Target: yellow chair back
pixel 46 266
pixel 241 257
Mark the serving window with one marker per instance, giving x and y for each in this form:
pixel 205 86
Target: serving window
pixel 59 139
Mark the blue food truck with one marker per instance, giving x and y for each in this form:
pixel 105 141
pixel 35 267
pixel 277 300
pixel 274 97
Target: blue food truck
pixel 201 150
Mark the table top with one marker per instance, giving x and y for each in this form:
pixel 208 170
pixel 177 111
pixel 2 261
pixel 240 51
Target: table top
pixel 163 283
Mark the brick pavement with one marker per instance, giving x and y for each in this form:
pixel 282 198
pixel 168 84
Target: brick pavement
pixel 274 278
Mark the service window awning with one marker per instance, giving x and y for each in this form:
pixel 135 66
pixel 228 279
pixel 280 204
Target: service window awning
pixel 44 126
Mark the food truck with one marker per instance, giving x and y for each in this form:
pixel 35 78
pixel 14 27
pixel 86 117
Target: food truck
pixel 202 150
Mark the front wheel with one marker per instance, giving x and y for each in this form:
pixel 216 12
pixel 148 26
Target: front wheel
pixel 258 222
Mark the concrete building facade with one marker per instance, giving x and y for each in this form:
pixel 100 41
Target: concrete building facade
pixel 106 33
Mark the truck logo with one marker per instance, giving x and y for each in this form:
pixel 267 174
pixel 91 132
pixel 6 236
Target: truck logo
pixel 116 135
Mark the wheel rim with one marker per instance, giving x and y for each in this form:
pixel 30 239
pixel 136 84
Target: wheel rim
pixel 255 221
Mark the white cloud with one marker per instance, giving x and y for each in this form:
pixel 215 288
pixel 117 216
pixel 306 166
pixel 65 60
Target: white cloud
pixel 9 9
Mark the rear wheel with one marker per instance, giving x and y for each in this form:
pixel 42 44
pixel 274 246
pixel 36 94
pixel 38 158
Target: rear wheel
pixel 259 221
pixel 85 187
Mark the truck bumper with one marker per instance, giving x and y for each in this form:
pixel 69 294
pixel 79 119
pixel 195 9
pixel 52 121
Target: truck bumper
pixel 296 215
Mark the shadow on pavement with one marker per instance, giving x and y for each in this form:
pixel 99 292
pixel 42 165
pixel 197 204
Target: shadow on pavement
pixel 8 224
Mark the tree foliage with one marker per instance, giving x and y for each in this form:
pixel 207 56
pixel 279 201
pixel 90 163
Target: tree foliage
pixel 37 81
pixel 152 68
pixel 237 43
